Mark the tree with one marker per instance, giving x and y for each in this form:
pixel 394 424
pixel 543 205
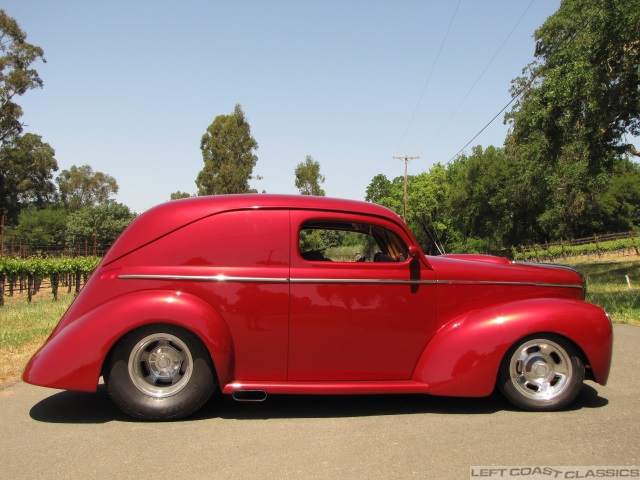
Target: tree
pixel 586 79
pixel 16 75
pixel 479 203
pixel 379 189
pixel 388 193
pixel 227 151
pixel 426 203
pixel 82 187
pixel 26 163
pixel 178 195
pixel 101 223
pixel 26 173
pixel 427 214
pixel 38 228
pixel 309 178
pixel 580 100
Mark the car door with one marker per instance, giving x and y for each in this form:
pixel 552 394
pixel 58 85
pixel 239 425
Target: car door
pixel 364 316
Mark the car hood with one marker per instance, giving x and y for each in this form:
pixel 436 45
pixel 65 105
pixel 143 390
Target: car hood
pixel 487 268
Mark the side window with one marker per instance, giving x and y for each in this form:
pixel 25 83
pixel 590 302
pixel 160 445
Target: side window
pixel 326 241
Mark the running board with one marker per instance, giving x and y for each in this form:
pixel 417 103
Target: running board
pixel 256 391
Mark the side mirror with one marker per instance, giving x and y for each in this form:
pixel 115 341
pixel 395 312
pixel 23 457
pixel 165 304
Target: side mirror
pixel 414 252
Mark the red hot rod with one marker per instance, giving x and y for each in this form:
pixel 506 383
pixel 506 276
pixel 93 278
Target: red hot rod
pixel 260 294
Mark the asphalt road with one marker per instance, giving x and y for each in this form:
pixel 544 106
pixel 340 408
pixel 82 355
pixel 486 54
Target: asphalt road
pixel 52 434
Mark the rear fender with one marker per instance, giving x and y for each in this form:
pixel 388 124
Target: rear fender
pixel 73 356
pixel 463 357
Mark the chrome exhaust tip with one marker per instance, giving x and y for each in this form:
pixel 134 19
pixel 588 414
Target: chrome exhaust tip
pixel 249 395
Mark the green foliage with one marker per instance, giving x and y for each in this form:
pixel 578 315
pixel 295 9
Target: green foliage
pixel 227 151
pixel 44 267
pixel 337 245
pixel 26 172
pixel 586 81
pixel 16 75
pixel 41 227
pixel 607 287
pixel 178 195
pixel 35 269
pixel 82 187
pixel 309 178
pixel 480 204
pixel 537 253
pixel 23 324
pixel 388 193
pixel 26 163
pixel 580 101
pixel 101 223
pixel 479 200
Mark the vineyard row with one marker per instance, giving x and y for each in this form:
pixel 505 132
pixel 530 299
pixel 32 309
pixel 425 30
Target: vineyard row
pixel 556 251
pixel 28 274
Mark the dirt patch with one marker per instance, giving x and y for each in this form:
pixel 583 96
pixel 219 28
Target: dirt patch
pixel 13 361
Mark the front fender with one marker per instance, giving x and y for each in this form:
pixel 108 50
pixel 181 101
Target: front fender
pixel 463 357
pixel 72 357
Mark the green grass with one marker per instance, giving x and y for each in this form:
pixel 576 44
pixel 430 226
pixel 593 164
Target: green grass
pixel 22 322
pixel 607 287
pixel 23 329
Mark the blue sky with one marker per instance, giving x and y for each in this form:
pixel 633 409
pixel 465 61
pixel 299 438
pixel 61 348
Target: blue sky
pixel 131 86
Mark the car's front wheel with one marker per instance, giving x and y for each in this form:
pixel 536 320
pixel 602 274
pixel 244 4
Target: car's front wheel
pixel 160 372
pixel 541 372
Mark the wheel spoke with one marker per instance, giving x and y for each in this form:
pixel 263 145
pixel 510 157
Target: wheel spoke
pixel 144 358
pixel 160 365
pixel 540 369
pixel 151 379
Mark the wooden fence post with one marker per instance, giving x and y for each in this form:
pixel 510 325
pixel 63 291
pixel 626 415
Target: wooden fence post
pixel 633 242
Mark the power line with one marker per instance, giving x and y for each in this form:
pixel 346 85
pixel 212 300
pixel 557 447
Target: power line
pixel 483 71
pixel 540 71
pixel 430 74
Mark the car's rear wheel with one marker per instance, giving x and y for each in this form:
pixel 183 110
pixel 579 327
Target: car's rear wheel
pixel 541 372
pixel 160 372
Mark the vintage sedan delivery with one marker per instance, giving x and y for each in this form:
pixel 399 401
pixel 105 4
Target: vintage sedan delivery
pixel 259 294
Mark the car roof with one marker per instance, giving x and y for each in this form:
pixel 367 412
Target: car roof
pixel 167 217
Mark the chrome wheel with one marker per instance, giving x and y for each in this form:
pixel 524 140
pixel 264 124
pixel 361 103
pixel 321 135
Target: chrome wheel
pixel 160 365
pixel 160 372
pixel 541 372
pixel 540 369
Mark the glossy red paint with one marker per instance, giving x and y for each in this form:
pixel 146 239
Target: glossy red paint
pixel 73 356
pixel 231 270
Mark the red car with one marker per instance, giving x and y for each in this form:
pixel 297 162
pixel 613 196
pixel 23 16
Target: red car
pixel 259 294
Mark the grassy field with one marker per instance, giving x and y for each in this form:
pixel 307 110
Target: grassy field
pixel 607 285
pixel 24 327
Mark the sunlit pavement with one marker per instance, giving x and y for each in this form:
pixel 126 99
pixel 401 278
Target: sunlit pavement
pixel 54 434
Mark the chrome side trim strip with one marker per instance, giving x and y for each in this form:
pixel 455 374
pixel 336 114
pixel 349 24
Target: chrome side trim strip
pixel 361 281
pixel 204 278
pixel 357 281
pixel 512 284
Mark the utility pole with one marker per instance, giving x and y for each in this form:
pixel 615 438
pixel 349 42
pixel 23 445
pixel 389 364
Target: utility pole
pixel 406 159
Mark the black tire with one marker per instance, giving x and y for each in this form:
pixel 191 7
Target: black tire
pixel 160 372
pixel 542 372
